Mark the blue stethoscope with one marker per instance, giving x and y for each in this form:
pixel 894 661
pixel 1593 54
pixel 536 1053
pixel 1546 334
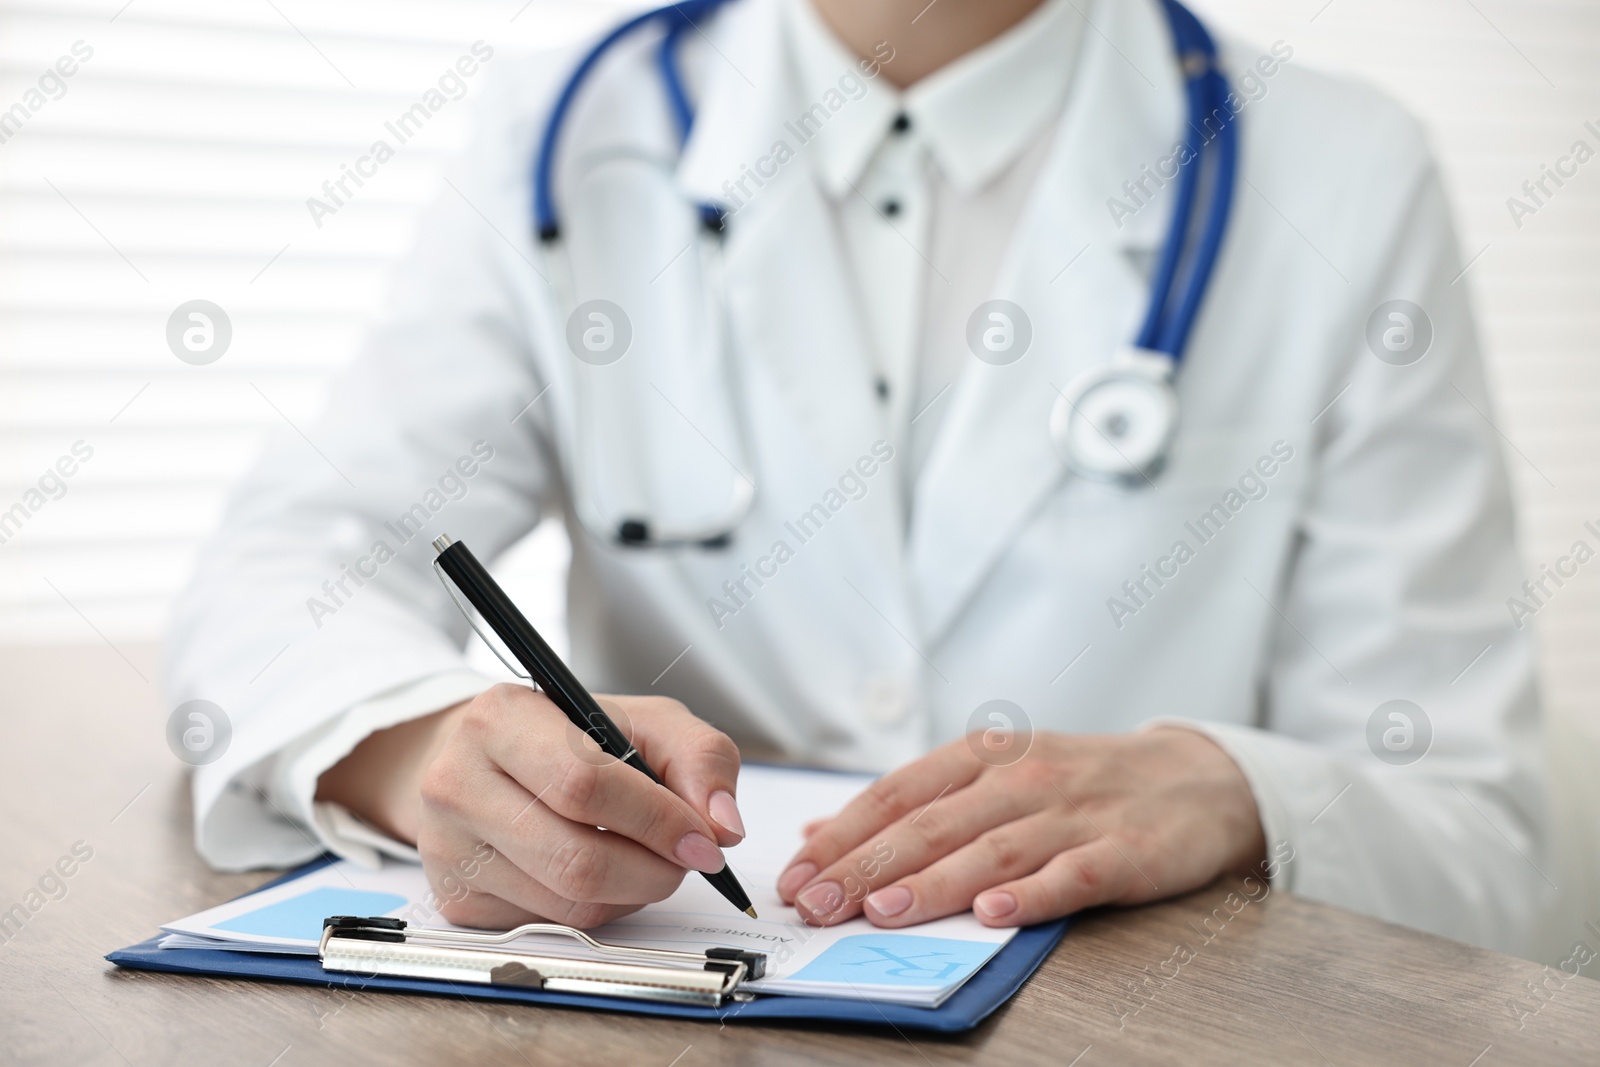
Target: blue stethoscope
pixel 1116 421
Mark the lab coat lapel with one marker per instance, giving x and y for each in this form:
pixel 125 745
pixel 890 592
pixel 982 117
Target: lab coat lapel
pixel 792 311
pixel 1069 270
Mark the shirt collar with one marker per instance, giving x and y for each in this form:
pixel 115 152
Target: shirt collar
pixel 976 114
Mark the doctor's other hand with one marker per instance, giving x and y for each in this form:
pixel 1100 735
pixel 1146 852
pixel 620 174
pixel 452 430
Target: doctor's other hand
pixel 1079 821
pixel 505 798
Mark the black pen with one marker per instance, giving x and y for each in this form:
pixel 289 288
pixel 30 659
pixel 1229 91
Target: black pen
pixel 553 676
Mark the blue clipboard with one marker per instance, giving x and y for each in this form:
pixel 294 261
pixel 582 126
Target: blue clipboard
pixel 975 1001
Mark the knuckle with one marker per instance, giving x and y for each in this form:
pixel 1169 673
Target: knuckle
pixel 1033 775
pixel 712 742
pixel 1084 878
pixel 504 697
pixel 442 788
pixel 1006 854
pixel 660 824
pixel 577 869
pixel 474 722
pixel 939 829
pixel 1137 841
pixel 577 789
pixel 502 693
pixel 883 798
pixel 672 706
pixel 479 719
pixel 655 707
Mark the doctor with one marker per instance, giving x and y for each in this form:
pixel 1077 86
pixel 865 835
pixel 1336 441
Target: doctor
pixel 788 351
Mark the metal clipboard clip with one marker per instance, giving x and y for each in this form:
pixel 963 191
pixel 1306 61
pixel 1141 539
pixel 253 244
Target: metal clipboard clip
pixel 384 946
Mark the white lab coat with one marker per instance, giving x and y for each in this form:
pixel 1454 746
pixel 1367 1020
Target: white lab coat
pixel 1375 566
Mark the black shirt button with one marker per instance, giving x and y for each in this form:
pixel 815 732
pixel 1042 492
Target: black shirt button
pixel 891 207
pixel 902 123
pixel 882 386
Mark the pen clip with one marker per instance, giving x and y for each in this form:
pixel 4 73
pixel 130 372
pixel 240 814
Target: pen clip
pixel 474 620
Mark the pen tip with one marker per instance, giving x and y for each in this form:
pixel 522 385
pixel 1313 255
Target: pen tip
pixel 752 913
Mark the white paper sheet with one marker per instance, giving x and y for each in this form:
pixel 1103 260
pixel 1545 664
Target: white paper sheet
pixel 919 965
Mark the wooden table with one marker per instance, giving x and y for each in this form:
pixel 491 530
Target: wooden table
pixel 1286 981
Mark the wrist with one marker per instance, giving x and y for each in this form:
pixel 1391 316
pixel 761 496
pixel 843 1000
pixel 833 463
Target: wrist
pixel 1232 800
pixel 380 780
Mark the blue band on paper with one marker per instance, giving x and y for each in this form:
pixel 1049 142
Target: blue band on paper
pixel 301 916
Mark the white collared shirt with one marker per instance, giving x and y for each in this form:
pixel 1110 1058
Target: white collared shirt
pixel 926 206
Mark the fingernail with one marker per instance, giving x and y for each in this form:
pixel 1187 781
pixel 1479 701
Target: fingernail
pixel 822 900
pixel 891 901
pixel 795 877
pixel 726 812
pixel 995 905
pixel 698 852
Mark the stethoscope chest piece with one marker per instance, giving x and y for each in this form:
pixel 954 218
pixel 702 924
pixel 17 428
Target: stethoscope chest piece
pixel 1117 422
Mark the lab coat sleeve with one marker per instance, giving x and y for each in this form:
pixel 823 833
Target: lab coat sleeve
pixel 317 594
pixel 1397 589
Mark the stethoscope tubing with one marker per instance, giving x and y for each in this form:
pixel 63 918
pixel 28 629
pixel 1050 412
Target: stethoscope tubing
pixel 672 80
pixel 545 220
pixel 1165 328
pixel 1167 325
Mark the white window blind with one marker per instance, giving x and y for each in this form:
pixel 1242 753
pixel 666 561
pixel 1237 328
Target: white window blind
pixel 173 164
pixel 176 163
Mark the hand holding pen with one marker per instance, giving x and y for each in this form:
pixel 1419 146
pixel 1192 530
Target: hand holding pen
pixel 516 774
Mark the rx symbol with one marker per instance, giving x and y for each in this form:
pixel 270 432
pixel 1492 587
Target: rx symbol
pixel 906 968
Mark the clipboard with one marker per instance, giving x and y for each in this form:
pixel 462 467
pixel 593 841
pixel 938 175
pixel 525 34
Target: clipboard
pixel 352 944
pixel 978 998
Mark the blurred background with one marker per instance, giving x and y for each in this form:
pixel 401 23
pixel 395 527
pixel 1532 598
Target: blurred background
pixel 176 160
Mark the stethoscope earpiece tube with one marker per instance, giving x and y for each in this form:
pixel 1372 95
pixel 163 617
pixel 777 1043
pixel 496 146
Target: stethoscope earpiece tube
pixel 1167 322
pixel 1224 177
pixel 546 224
